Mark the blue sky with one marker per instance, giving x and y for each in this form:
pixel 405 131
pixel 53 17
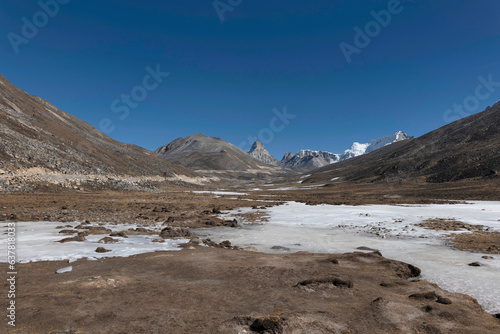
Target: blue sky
pixel 225 78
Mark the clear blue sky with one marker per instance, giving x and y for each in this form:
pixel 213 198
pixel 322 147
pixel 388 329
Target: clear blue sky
pixel 226 78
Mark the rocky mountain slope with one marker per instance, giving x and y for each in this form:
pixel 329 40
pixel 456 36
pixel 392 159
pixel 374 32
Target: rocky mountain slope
pixel 315 159
pixel 260 153
pixel 34 133
pixel 466 149
pixel 203 153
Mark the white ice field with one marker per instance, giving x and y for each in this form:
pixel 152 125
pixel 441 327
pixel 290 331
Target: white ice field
pixel 340 229
pixel 38 241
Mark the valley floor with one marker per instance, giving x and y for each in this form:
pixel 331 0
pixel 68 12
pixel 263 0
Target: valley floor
pixel 200 289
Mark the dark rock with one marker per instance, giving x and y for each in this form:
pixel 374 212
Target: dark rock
pixel 119 234
pixel 269 324
pixel 486 257
pixel 475 264
pixel 68 231
pixel 281 248
pixel 367 249
pixel 226 244
pixel 215 211
pixel 428 308
pixel 102 250
pixel 77 238
pixel 170 219
pixel 107 240
pixel 98 230
pixel 232 223
pixel 180 232
pixel 443 300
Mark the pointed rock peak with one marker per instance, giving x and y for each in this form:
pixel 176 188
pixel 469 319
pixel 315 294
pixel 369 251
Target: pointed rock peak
pixel 288 156
pixel 257 145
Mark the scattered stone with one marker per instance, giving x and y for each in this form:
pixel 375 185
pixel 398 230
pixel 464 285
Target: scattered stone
pixel 281 248
pixel 119 234
pixel 77 238
pixel 158 240
pixel 107 240
pixel 216 211
pixel 475 264
pixel 180 232
pixel 224 244
pixel 68 231
pixel 83 234
pixel 232 223
pixel 195 241
pixel 98 230
pixel 102 250
pixel 64 270
pixel 443 300
pixel 268 324
pixel 486 257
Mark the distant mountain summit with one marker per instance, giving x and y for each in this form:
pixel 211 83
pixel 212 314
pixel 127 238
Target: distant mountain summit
pixel 200 152
pixel 360 149
pixel 315 159
pixel 465 149
pixel 260 153
pixel 309 159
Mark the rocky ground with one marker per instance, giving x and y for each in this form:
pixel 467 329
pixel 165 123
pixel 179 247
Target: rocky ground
pixel 212 290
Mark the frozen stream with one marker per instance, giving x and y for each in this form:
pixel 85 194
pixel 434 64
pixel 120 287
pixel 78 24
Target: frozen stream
pixel 390 229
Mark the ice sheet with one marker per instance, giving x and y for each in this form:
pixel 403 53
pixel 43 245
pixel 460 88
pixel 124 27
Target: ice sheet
pixel 37 241
pixel 390 229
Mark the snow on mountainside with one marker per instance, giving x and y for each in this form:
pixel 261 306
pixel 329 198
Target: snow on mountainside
pixel 314 159
pixel 359 149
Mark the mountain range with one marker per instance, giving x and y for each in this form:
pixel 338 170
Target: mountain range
pixel 34 133
pixel 309 159
pixel 465 149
